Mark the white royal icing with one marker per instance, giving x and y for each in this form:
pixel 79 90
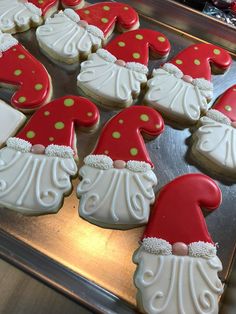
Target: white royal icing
pixel 202 249
pixel 59 151
pixel 10 121
pixel 16 13
pixel 109 81
pixel 157 246
pixel 7 41
pixel 115 197
pixel 177 284
pixel 177 99
pixel 34 184
pixel 217 142
pixel 19 144
pixel 218 116
pixel 62 36
pixel 99 161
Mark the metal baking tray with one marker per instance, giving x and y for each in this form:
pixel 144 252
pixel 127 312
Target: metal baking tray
pixel 91 264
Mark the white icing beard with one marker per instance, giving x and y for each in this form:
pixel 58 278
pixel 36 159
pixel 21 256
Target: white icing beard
pixel 110 83
pixel 62 37
pixel 117 198
pixel 34 184
pixel 179 100
pixel 177 284
pixel 15 13
pixel 217 142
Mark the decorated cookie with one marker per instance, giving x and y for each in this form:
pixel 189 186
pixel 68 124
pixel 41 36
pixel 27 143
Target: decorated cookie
pixel 117 183
pixel 37 164
pixel 19 16
pixel 20 71
pixel 215 141
pixel 10 121
pixel 73 4
pixel 72 35
pixel 177 262
pixel 181 89
pixel 115 75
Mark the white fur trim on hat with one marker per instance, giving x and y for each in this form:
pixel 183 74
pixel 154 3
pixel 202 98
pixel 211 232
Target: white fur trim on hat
pixel 99 161
pixel 157 246
pixel 71 15
pixel 172 69
pixel 218 116
pixel 59 151
pixel 138 166
pixel 202 249
pixel 7 41
pixel 19 144
pixel 106 55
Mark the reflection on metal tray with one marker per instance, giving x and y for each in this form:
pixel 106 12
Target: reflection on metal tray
pixel 91 264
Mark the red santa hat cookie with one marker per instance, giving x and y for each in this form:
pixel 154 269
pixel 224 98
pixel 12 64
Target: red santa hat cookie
pixel 177 258
pixel 181 89
pixel 23 73
pixel 73 4
pixel 73 35
pixel 18 16
pixel 115 75
pixel 117 186
pixel 214 145
pixel 43 153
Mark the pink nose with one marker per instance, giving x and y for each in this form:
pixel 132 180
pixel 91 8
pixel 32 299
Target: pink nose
pixel 120 63
pixel 180 248
pixel 119 164
pixel 38 149
pixel 187 78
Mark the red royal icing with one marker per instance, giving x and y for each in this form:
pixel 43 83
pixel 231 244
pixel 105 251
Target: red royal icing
pixel 177 215
pixel 19 68
pixel 121 137
pixel 71 3
pixel 196 60
pixel 106 15
pixel 134 46
pixel 226 103
pixel 55 122
pixel 44 5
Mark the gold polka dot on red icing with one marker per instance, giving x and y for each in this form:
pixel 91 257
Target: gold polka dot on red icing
pixel 121 44
pixel 144 117
pixel 59 125
pixel 51 139
pixel 22 99
pixel 68 102
pixel 161 39
pixel 136 55
pixel 195 48
pixel 21 56
pixel 116 135
pixel 139 36
pixel 46 113
pixel 133 151
pixel 178 61
pixel 86 11
pixel 216 51
pixel 197 62
pixel 106 152
pixel 234 89
pixel 89 114
pixel 40 1
pixel 158 126
pixel 104 20
pixel 121 121
pixel 228 108
pixel 126 8
pixel 38 86
pixel 17 72
pixel 30 134
pixel 106 8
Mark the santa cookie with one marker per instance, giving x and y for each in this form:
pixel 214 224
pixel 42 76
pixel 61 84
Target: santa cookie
pixel 177 263
pixel 10 121
pixel 181 89
pixel 19 16
pixel 117 179
pixel 37 164
pixel 115 75
pixel 24 74
pixel 72 35
pixel 215 141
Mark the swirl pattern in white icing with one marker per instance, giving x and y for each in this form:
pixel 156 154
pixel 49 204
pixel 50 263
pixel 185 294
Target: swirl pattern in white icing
pixel 16 14
pixel 10 121
pixel 217 142
pixel 177 284
pixel 34 184
pixel 178 100
pixel 63 38
pixel 115 197
pixel 111 83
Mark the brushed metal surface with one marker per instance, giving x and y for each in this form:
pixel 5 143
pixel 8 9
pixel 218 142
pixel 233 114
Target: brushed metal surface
pixel 103 256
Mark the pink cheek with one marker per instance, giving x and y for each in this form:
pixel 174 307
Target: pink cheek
pixel 180 249
pixel 38 149
pixel 119 164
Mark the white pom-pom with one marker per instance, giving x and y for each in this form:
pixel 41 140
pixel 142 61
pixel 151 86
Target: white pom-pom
pixel 172 69
pixel 106 55
pixel 19 144
pixel 138 166
pixel 99 161
pixel 218 116
pixel 59 151
pixel 95 31
pixel 202 249
pixel 137 67
pixel 157 246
